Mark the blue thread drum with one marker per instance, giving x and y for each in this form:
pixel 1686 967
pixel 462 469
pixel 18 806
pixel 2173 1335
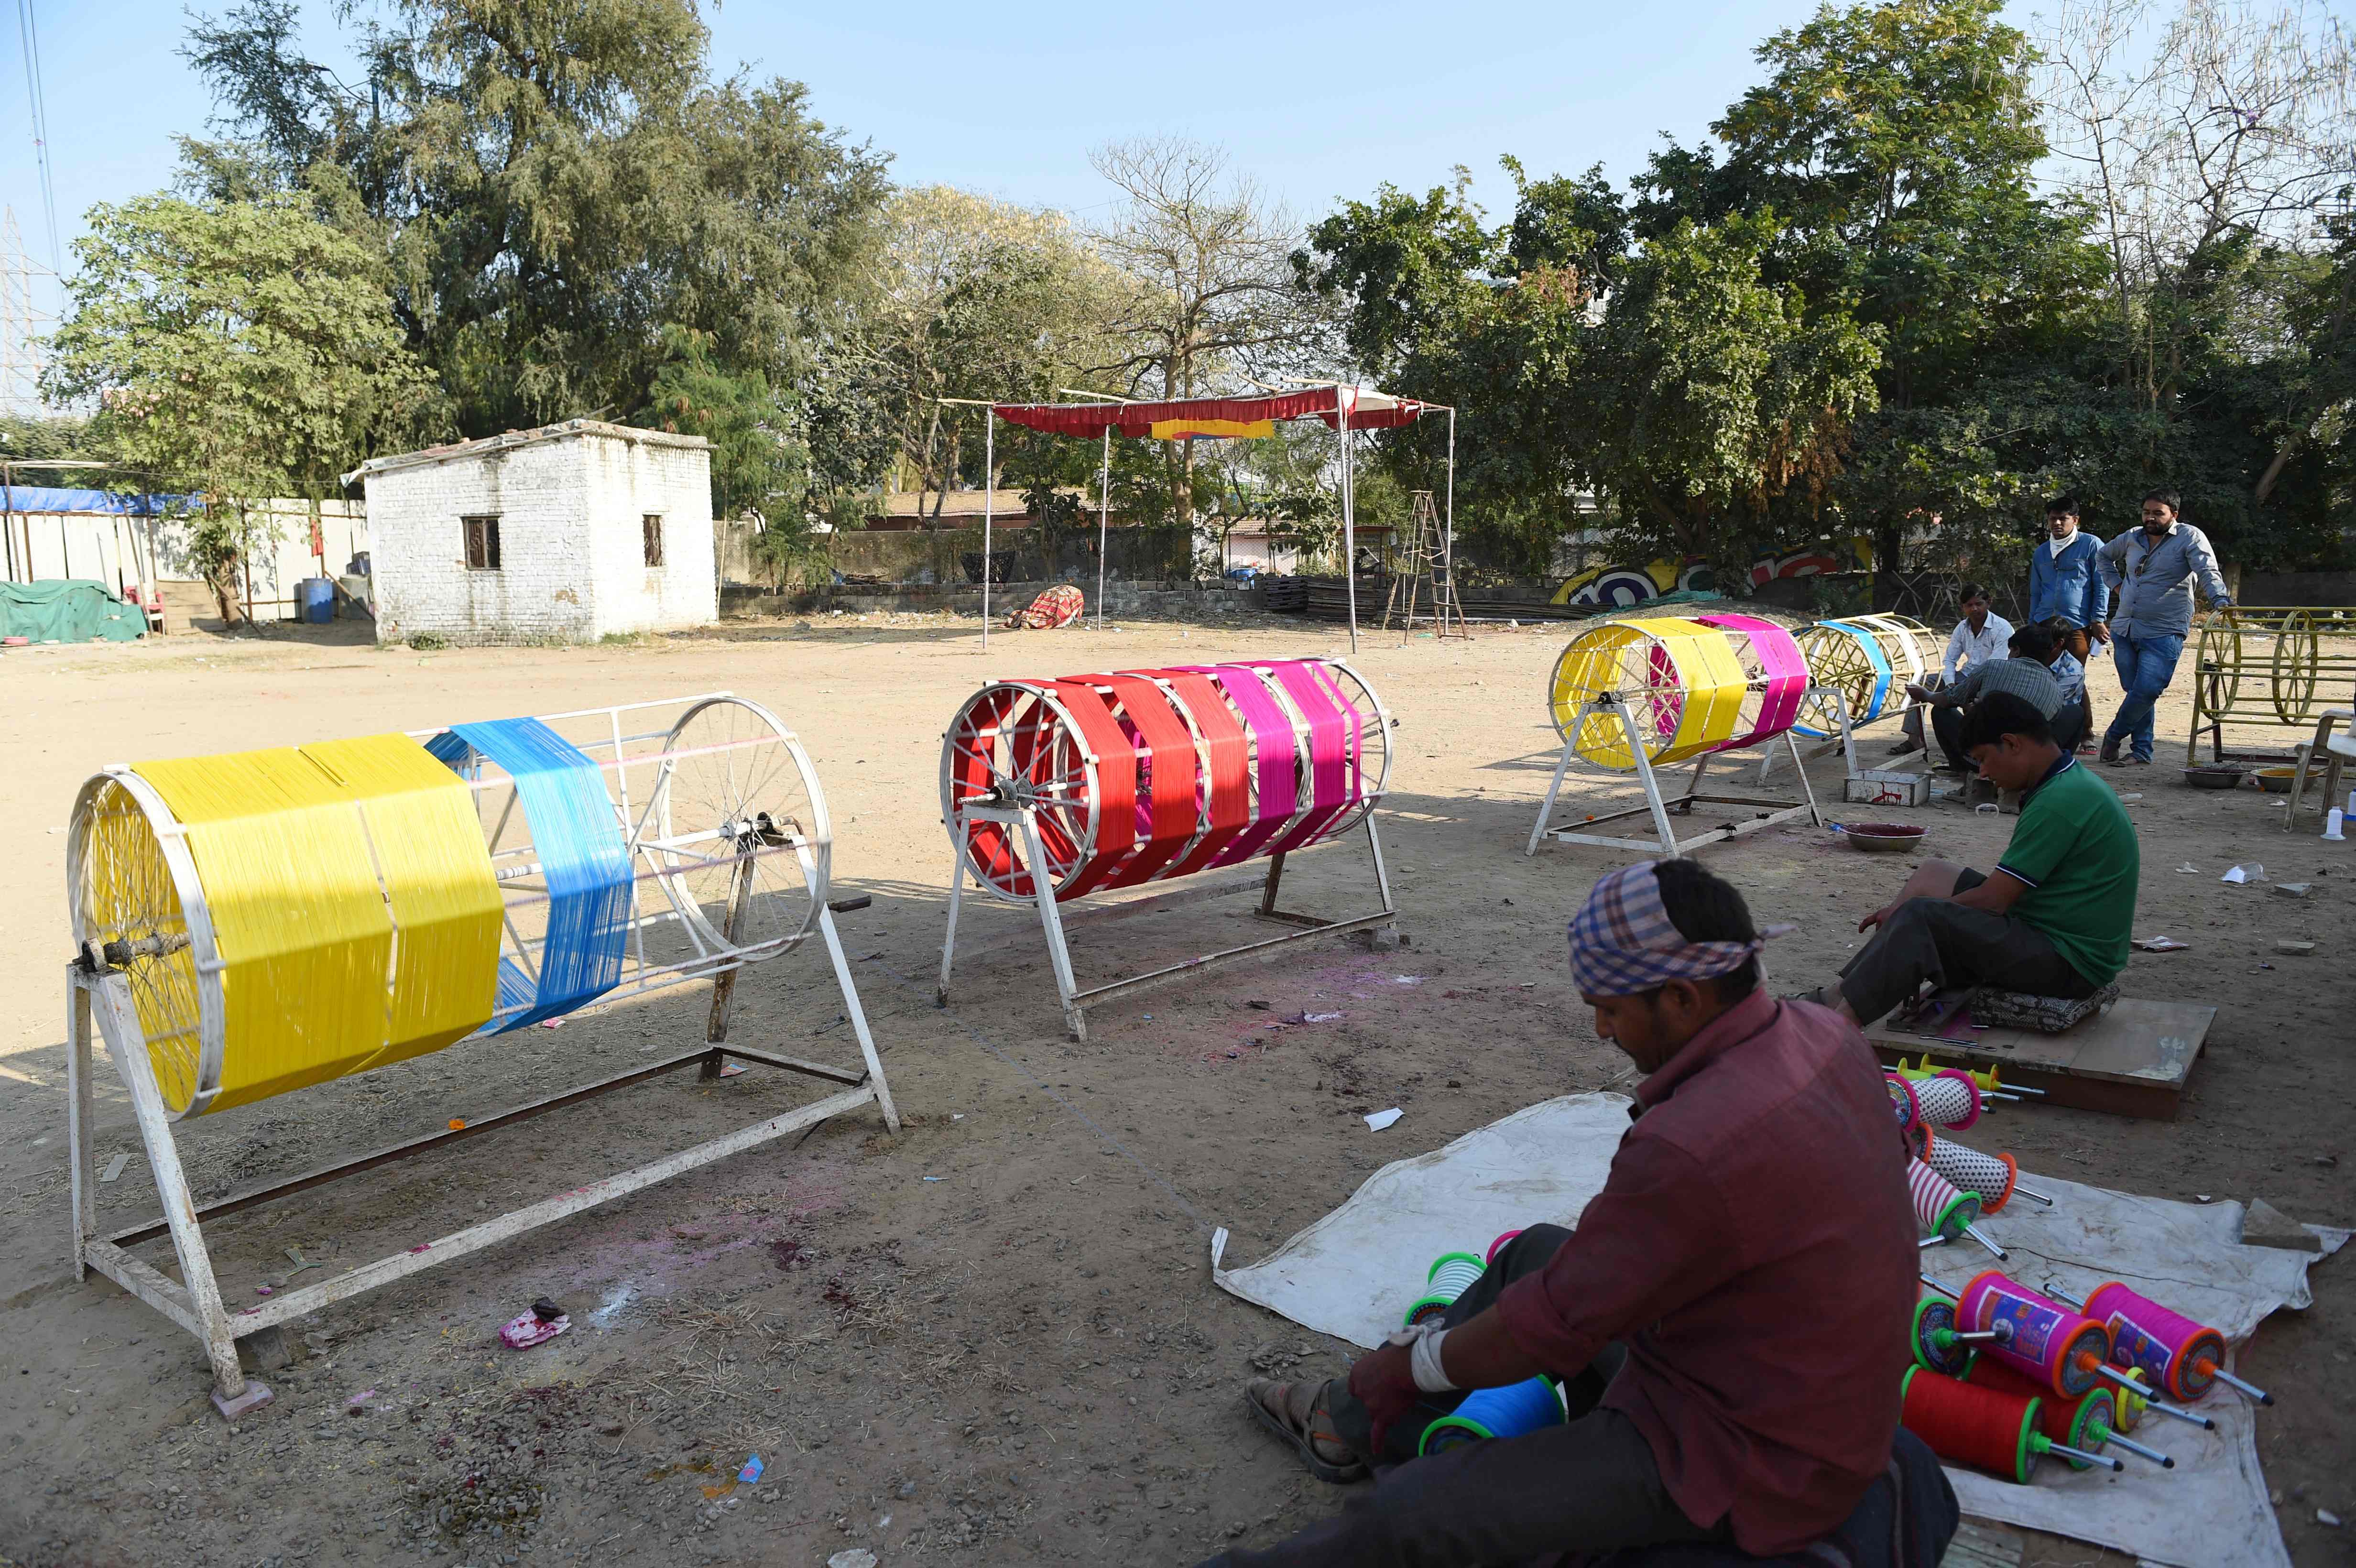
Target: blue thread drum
pixel 1513 1411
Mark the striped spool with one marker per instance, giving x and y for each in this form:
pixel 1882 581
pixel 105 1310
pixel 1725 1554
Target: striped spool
pixel 1450 1276
pixel 1990 1175
pixel 1148 776
pixel 1939 1207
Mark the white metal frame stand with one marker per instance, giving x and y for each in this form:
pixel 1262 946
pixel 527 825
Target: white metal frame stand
pixel 100 996
pixel 1075 1001
pixel 1769 812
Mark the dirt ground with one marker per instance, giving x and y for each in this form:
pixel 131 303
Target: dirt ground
pixel 993 1338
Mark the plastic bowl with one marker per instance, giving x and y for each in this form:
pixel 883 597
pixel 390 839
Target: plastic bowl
pixel 2213 777
pixel 1882 836
pixel 2277 781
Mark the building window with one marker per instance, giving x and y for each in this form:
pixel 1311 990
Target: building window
pixel 650 538
pixel 482 543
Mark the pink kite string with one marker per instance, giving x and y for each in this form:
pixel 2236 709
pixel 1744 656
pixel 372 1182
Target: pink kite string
pixel 1786 675
pixel 1329 749
pixel 1275 759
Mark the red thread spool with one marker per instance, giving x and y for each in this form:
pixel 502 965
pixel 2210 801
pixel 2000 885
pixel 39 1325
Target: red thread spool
pixel 1970 1426
pixel 2175 1353
pixel 2082 1422
pixel 1990 1175
pixel 2052 1346
pixel 1498 1246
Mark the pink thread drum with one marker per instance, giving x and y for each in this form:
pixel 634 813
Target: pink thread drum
pixel 2061 1350
pixel 2179 1355
pixel 1775 673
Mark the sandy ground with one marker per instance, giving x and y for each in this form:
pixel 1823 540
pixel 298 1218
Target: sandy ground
pixel 993 1338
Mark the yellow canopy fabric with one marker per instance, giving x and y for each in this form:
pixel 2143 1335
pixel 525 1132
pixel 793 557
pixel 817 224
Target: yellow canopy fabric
pixel 1244 429
pixel 1680 681
pixel 353 906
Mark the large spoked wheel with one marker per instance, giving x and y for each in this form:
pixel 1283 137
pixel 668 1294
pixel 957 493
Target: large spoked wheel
pixel 134 892
pixel 1635 669
pixel 2217 663
pixel 1372 761
pixel 1838 665
pixel 1014 744
pixel 2298 654
pixel 735 804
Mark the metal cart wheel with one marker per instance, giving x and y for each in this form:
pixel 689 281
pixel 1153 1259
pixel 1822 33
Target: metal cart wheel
pixel 1014 743
pixel 2298 653
pixel 733 791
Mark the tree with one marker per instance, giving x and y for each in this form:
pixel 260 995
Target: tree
pixel 239 349
pixel 1209 261
pixel 551 185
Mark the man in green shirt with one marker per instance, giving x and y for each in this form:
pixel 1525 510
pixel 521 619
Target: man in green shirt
pixel 2053 920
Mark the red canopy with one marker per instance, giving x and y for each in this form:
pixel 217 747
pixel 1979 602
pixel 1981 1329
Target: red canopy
pixel 1369 409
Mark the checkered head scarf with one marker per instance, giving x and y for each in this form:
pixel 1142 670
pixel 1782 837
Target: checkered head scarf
pixel 1623 942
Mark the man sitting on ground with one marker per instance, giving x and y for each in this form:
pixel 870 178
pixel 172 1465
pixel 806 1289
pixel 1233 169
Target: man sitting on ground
pixel 1701 1410
pixel 2024 674
pixel 2054 918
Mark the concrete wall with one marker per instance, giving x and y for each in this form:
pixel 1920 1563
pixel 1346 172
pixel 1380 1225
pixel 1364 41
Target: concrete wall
pixel 570 566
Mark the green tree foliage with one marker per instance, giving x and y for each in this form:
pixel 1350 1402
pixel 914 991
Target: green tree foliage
pixel 552 184
pixel 241 350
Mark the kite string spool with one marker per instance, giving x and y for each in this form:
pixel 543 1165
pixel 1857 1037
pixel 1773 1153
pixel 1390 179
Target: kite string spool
pixel 1949 1099
pixel 1972 1426
pixel 1990 1175
pixel 2049 1342
pixel 2081 1423
pixel 1499 1245
pixel 1508 1412
pixel 1450 1276
pixel 2170 1346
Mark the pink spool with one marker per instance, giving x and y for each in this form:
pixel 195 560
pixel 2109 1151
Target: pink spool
pixel 2061 1350
pixel 1785 669
pixel 1903 1101
pixel 2168 1347
pixel 1498 1246
pixel 1950 1099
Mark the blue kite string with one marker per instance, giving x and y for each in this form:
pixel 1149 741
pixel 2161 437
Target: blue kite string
pixel 583 861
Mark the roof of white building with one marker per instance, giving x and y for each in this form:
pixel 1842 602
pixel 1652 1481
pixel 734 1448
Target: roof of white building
pixel 515 438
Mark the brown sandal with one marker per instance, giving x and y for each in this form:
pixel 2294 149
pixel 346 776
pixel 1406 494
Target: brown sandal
pixel 1304 1442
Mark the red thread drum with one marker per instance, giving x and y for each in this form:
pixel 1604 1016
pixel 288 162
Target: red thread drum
pixel 1146 775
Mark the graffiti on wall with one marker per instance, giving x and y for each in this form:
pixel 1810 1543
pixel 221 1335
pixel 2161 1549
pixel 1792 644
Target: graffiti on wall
pixel 1616 587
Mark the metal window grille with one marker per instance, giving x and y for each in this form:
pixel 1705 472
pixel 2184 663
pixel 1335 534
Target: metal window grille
pixel 650 538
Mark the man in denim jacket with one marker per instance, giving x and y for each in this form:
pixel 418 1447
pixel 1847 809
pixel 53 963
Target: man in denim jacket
pixel 2151 568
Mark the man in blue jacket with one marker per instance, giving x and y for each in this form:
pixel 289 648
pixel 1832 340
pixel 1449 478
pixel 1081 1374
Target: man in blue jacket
pixel 2066 595
pixel 2152 568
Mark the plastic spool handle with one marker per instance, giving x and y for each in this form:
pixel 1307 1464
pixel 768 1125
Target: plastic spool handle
pixel 1976 1233
pixel 1932 1241
pixel 2222 1376
pixel 1942 1289
pixel 2032 1195
pixel 2143 1392
pixel 2044 1444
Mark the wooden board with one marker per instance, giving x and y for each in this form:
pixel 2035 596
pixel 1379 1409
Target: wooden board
pixel 2131 1061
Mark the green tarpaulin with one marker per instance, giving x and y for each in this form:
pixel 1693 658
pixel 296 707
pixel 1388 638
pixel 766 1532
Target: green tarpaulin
pixel 67 611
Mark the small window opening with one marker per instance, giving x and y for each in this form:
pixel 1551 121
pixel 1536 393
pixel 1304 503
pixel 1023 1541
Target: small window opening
pixel 482 543
pixel 650 538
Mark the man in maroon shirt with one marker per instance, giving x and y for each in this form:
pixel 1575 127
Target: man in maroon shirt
pixel 1728 1319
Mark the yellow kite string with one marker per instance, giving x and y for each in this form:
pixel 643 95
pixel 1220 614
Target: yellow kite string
pixel 288 848
pixel 1626 658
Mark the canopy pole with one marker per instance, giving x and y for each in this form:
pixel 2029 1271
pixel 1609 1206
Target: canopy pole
pixel 1447 532
pixel 1104 516
pixel 989 497
pixel 1349 523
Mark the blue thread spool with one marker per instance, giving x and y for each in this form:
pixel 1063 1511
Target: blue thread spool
pixel 1509 1412
pixel 1450 1276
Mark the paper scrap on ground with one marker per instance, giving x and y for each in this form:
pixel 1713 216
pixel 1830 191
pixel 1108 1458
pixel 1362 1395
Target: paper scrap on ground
pixel 2252 872
pixel 2161 944
pixel 1351 1272
pixel 1381 1119
pixel 114 1167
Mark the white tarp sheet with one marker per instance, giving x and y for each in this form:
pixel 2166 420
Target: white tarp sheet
pixel 1353 1272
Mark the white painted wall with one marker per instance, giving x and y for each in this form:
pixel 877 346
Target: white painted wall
pixel 571 568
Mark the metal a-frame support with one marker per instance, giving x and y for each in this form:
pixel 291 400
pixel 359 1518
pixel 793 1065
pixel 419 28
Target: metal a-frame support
pixel 1766 813
pixel 100 1003
pixel 1077 1001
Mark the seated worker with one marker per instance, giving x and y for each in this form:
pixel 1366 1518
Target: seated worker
pixel 2024 673
pixel 1976 641
pixel 2053 920
pixel 1728 1319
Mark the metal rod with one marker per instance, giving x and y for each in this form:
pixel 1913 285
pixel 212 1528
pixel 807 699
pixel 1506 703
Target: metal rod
pixel 1104 521
pixel 1137 982
pixel 2138 1450
pixel 988 499
pixel 1932 1241
pixel 2143 1392
pixel 2230 1380
pixel 1976 1233
pixel 1942 1289
pixel 2034 1197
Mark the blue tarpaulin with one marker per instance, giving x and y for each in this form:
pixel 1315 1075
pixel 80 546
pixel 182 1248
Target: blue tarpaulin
pixel 48 498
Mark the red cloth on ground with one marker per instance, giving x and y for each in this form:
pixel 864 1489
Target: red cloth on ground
pixel 1755 1249
pixel 1058 607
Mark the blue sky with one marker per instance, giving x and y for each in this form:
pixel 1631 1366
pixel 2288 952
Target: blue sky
pixel 1319 103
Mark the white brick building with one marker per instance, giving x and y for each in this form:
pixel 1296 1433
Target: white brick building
pixel 573 531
